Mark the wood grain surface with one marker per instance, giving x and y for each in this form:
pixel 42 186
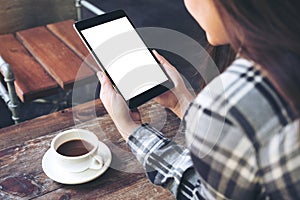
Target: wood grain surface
pixel 23 146
pixel 57 59
pixel 32 81
pixel 65 31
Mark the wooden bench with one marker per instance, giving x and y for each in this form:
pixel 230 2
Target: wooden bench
pixel 46 60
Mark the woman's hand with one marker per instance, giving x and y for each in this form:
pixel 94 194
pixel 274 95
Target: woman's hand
pixel 179 97
pixel 125 120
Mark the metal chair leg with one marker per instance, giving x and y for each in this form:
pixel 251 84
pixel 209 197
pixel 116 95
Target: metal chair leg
pixel 78 9
pixel 10 96
pixel 82 3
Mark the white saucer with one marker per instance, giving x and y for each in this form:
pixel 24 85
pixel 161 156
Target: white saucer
pixel 56 173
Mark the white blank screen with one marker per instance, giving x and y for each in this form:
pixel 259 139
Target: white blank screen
pixel 125 57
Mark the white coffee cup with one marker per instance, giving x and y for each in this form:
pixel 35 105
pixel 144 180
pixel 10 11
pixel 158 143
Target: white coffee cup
pixel 65 143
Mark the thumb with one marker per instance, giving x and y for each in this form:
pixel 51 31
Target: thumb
pixel 101 77
pixel 104 81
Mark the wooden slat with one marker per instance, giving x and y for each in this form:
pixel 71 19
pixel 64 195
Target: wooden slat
pixel 32 81
pixel 60 62
pixel 64 30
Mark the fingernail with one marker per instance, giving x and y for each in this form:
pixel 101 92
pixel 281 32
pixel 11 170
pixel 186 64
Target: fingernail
pixel 155 53
pixel 100 74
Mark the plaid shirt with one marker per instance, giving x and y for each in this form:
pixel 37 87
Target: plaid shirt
pixel 243 142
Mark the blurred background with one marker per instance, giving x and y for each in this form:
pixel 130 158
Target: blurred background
pixel 17 15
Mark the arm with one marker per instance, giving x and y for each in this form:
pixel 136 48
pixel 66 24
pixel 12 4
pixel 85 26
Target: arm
pixel 166 163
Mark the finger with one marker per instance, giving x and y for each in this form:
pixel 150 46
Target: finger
pixel 157 55
pixel 105 82
pixel 101 77
pixel 162 60
pixel 107 90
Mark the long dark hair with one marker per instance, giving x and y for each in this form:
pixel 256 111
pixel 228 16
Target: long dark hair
pixel 267 32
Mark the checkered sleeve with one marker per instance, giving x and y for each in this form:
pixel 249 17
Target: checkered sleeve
pixel 166 163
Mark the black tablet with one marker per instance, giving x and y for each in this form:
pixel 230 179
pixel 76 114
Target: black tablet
pixel 122 54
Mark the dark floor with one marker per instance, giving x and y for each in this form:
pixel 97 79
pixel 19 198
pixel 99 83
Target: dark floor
pixel 169 14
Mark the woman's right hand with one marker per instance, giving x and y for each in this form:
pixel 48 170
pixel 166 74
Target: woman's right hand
pixel 178 98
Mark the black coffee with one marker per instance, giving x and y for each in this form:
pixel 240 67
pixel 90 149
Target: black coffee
pixel 74 148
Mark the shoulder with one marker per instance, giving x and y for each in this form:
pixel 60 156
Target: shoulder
pixel 244 98
pixel 279 163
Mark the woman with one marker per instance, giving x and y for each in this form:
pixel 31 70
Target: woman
pixel 256 155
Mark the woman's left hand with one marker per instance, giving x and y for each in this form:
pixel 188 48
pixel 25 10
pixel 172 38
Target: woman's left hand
pixel 125 120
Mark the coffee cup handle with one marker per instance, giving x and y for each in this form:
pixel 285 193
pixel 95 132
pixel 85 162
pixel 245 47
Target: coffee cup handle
pixel 97 162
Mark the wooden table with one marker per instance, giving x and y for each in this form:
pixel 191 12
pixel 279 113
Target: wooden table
pixel 46 59
pixel 22 147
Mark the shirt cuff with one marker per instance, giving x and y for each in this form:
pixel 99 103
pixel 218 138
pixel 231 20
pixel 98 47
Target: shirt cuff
pixel 145 140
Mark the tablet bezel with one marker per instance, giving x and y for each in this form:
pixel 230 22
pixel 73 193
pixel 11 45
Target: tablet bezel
pixel 107 17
